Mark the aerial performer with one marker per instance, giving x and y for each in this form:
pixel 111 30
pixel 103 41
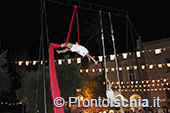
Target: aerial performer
pixel 81 50
pixel 109 92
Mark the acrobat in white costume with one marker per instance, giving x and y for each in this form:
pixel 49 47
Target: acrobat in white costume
pixel 109 92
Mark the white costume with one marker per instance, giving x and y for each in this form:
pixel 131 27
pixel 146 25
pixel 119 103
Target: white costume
pixel 78 48
pixel 110 95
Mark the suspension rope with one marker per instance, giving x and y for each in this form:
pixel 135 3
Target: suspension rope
pixel 144 46
pixel 102 37
pixel 114 49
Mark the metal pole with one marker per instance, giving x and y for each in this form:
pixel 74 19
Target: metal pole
pixel 137 62
pixel 43 54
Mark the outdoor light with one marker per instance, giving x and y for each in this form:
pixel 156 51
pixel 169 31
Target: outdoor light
pixel 20 63
pixel 157 51
pixel 93 70
pixel 87 70
pixel 100 70
pixel 112 69
pixel 138 54
pixel 164 80
pixel 104 83
pixel 160 89
pixel 69 61
pixel 106 70
pixel 153 85
pixel 121 82
pixel 124 55
pixel 143 66
pixel 135 67
pixel 26 63
pixel 147 81
pixel 136 82
pixel 148 85
pixel 34 62
pixel 127 68
pixel 160 65
pixel 151 66
pixel 120 68
pixel 168 64
pixel 81 70
pixel 153 81
pixel 112 57
pixel 78 60
pixel 100 58
pixel 59 62
pixel 158 80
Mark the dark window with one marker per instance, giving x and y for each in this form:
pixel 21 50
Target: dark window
pixel 131 75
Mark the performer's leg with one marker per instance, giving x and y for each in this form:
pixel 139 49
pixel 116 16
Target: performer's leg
pixel 69 45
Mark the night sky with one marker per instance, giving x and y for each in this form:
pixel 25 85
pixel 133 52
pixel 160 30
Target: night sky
pixel 20 22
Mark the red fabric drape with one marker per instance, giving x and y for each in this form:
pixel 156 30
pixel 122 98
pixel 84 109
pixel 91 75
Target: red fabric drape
pixel 71 23
pixel 55 92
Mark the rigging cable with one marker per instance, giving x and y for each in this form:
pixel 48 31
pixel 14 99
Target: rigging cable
pixel 114 49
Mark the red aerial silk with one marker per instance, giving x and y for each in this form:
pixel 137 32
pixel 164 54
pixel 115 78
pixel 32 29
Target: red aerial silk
pixel 55 92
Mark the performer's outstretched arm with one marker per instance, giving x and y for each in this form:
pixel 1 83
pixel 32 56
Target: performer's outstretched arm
pixel 62 51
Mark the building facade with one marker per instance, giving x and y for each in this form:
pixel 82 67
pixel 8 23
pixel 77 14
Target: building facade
pixel 150 70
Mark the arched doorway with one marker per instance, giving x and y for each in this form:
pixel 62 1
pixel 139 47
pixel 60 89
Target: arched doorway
pixel 136 97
